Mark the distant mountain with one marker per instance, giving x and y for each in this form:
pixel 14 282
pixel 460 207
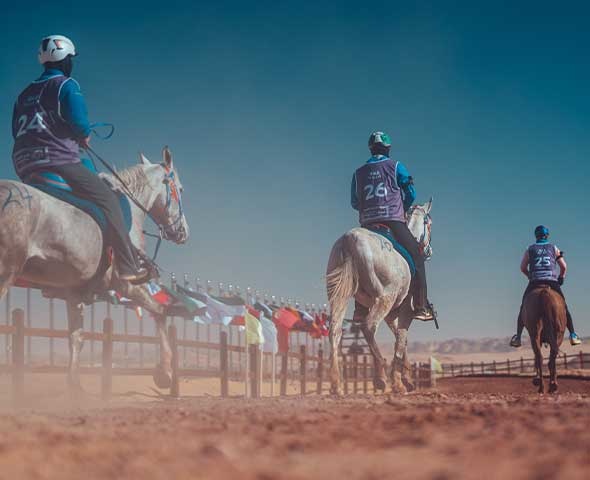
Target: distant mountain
pixel 462 345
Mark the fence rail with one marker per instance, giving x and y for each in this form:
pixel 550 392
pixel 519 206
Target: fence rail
pixel 521 366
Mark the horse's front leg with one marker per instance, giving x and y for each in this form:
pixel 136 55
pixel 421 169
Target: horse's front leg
pixel 163 374
pixel 76 340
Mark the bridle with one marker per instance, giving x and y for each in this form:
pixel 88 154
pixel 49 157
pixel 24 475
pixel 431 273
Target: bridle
pixel 425 248
pixel 172 193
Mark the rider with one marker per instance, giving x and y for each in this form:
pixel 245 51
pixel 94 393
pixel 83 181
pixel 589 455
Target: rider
pixel 382 191
pixel 540 264
pixel 49 125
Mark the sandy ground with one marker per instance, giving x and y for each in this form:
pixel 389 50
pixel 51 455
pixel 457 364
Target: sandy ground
pixel 466 428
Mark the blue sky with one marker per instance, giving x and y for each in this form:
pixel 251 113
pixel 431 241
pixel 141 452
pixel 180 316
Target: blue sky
pixel 267 108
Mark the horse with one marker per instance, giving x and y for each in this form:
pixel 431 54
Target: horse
pixel 364 265
pixel 544 315
pixel 51 245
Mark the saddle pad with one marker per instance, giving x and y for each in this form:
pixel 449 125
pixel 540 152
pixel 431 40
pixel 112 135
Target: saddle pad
pixel 385 232
pixel 57 187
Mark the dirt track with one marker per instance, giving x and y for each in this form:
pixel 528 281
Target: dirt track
pixel 447 434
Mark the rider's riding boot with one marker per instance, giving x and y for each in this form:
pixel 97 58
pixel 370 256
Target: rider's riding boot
pixel 574 339
pixel 128 269
pixel 422 308
pixel 515 341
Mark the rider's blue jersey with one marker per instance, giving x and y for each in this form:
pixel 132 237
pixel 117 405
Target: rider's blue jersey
pixel 72 104
pixel 403 178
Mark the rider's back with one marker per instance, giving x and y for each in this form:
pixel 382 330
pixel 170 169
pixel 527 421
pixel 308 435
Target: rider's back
pixel 42 138
pixel 543 262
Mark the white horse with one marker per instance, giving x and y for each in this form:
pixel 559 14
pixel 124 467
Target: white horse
pixel 364 265
pixel 56 247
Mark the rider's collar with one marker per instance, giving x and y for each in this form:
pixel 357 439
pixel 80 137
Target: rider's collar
pixel 542 240
pixel 51 72
pixel 377 158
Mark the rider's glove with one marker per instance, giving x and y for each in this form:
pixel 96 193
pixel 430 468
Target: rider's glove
pixel 560 280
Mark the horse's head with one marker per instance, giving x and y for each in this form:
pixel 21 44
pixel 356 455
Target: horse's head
pixel 420 224
pixel 166 205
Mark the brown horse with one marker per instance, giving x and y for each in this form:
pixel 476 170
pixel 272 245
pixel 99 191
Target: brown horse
pixel 545 319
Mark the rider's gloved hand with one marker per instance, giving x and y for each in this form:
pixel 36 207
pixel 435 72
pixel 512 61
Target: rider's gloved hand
pixel 84 142
pixel 560 280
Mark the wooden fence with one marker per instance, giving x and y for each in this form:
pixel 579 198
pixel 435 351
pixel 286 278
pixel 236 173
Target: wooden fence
pixel 521 366
pixel 309 376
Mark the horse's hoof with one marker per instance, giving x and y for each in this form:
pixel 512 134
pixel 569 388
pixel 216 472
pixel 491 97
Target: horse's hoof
pixel 379 383
pixel 410 387
pixel 161 378
pixel 336 392
pixel 399 389
pixel 536 381
pixel 552 387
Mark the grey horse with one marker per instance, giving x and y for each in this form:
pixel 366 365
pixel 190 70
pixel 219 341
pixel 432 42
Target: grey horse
pixel 58 248
pixel 364 265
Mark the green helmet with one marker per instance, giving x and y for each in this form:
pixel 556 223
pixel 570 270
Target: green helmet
pixel 379 141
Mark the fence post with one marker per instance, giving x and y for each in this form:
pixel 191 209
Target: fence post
pixel 303 368
pixel 472 369
pixel 320 371
pixel 107 359
pixel 581 360
pixel 482 368
pixel 565 360
pixel 452 370
pixel 29 325
pixel 173 337
pixel 223 364
pixel 18 356
pixel 355 373
pixel 521 365
pixel 345 373
pixel 284 373
pixel 51 326
pixel 365 373
pixel 254 371
pixel 8 314
pixel 508 365
pixel 92 330
pixel 494 365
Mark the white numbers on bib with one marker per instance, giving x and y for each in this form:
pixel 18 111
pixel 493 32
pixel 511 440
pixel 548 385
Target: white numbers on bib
pixel 543 262
pixel 35 124
pixel 373 191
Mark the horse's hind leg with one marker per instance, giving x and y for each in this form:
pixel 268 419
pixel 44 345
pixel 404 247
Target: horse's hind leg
pixel 553 369
pixel 377 312
pixel 76 340
pixel 401 381
pixel 336 320
pixel 538 380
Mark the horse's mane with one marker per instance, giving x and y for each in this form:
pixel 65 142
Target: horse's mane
pixel 134 177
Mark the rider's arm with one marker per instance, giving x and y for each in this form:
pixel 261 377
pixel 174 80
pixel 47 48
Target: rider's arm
pixel 73 108
pixel 354 201
pixel 14 123
pixel 561 262
pixel 524 264
pixel 406 183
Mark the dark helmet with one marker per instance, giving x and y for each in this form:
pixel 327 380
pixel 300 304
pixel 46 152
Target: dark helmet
pixel 379 143
pixel 541 232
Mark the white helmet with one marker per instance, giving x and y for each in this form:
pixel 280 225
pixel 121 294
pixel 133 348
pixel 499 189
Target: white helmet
pixel 55 48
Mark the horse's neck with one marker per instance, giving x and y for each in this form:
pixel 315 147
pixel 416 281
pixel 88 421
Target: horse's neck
pixel 145 194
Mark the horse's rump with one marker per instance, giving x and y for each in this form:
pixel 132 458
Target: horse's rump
pixel 544 313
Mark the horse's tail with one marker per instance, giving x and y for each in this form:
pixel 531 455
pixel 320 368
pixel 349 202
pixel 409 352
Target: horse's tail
pixel 341 279
pixel 548 309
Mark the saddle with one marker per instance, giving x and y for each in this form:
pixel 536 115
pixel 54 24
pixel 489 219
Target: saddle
pixel 386 232
pixel 56 186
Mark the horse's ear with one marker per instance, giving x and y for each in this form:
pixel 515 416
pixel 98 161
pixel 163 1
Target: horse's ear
pixel 167 157
pixel 428 206
pixel 143 159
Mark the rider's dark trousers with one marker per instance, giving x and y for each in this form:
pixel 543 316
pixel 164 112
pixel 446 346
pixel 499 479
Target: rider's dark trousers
pixel 89 186
pixel 556 288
